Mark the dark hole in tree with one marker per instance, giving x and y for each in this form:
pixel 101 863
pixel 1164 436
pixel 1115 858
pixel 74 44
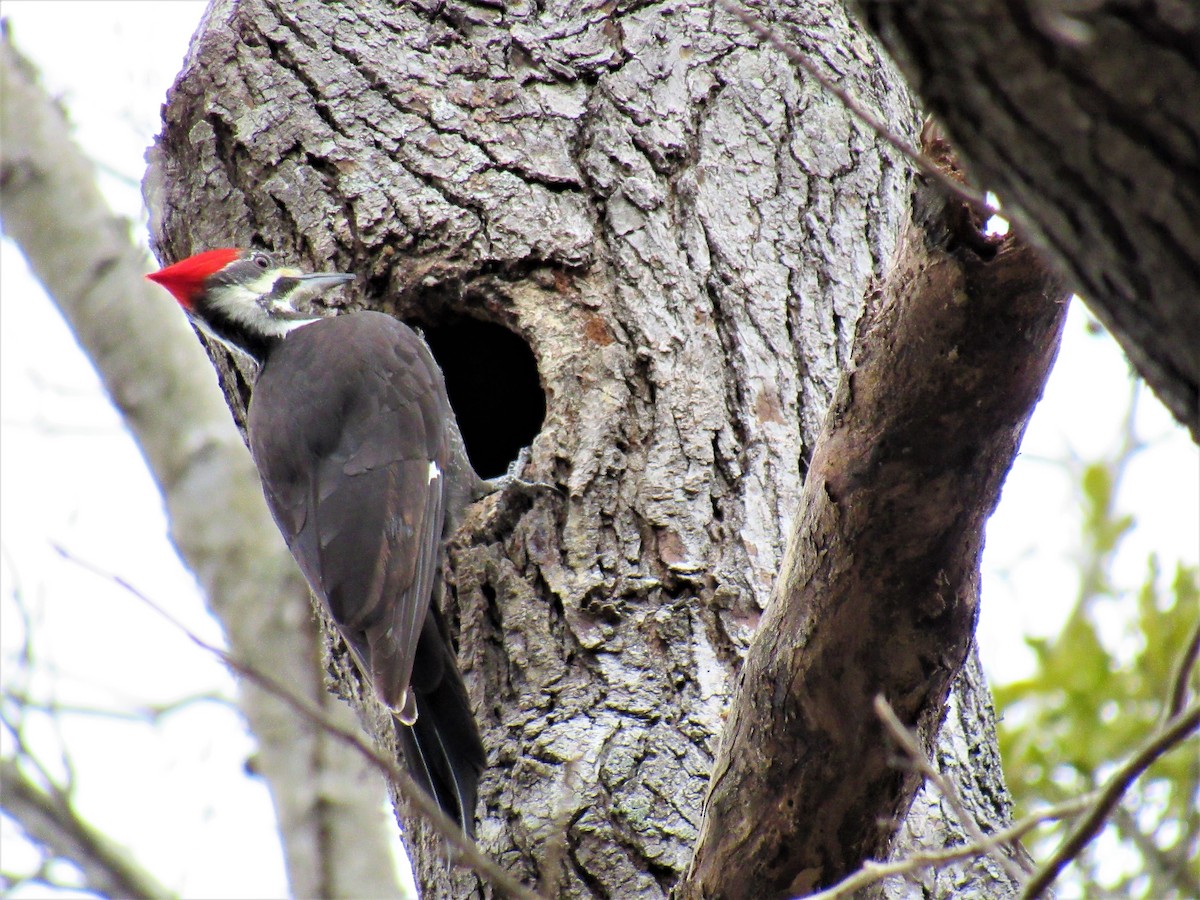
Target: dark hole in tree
pixel 492 380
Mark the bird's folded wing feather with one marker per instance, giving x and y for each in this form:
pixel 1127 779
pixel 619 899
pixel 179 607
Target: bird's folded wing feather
pixel 362 508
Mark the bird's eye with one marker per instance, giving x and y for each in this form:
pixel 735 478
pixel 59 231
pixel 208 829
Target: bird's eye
pixel 261 261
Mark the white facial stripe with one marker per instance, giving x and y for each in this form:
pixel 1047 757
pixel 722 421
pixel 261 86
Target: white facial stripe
pixel 262 284
pixel 240 303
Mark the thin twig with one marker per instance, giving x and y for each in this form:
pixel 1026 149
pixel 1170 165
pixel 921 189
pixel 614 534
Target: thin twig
pixel 924 164
pixel 1177 730
pixel 872 872
pixel 50 819
pixel 149 714
pixel 1177 698
pixel 908 742
pixel 425 805
pixel 1161 864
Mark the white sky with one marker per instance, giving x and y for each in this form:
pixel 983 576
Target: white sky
pixel 176 794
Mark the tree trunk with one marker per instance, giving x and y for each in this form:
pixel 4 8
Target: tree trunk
pixel 682 230
pixel 879 591
pixel 147 358
pixel 1085 119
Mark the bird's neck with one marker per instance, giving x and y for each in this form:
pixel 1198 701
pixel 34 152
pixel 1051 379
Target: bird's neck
pixel 256 345
pixel 251 332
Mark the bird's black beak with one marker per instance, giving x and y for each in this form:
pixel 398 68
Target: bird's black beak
pixel 308 287
pixel 326 280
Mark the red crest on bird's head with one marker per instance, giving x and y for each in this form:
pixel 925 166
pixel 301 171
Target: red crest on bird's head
pixel 186 278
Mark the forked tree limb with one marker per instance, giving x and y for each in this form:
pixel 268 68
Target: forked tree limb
pixel 879 590
pixel 1084 118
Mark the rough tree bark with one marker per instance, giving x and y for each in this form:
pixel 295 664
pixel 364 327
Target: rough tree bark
pixel 1084 118
pixel 325 799
pixel 879 591
pixel 682 230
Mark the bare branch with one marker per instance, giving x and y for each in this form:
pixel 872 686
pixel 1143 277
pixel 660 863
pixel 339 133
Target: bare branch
pixel 49 819
pixel 470 855
pixel 1177 730
pixel 872 872
pixel 912 749
pixel 1186 665
pixel 149 714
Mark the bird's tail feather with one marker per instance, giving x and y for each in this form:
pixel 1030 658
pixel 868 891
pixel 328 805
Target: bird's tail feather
pixel 442 748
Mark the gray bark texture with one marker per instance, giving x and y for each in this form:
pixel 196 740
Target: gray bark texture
pixel 683 231
pixel 325 798
pixel 967 756
pixel 1084 118
pixel 879 590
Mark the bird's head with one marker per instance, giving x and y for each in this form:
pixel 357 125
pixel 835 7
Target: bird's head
pixel 242 297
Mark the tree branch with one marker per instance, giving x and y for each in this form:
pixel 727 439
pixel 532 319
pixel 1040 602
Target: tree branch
pixel 908 742
pixel 872 872
pixel 1184 668
pixel 426 806
pixel 1176 731
pixel 49 819
pixel 880 586
pixel 1085 120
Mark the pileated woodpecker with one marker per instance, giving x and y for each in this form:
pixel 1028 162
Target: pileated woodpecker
pixel 364 471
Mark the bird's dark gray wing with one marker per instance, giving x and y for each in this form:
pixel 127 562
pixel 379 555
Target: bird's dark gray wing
pixel 390 518
pixel 351 452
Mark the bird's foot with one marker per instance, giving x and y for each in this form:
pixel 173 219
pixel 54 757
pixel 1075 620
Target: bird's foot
pixel 512 480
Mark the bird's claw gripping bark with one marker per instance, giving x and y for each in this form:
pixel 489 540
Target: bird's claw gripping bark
pixel 512 480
